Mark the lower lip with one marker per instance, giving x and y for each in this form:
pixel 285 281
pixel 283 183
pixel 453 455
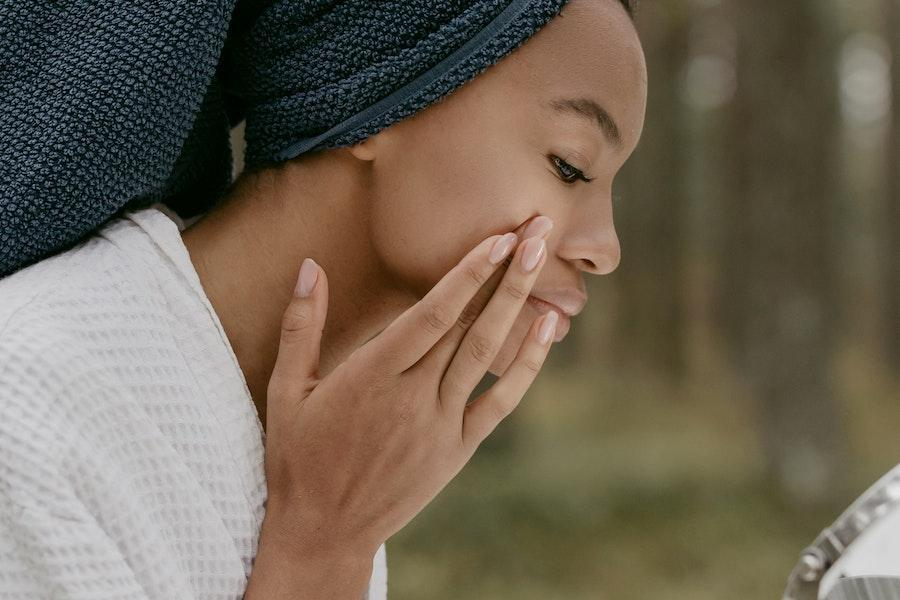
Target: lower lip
pixel 562 325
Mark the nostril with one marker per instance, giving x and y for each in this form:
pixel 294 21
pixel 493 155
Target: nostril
pixel 600 257
pixel 604 265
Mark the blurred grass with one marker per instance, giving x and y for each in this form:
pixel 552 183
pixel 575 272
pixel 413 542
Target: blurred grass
pixel 612 485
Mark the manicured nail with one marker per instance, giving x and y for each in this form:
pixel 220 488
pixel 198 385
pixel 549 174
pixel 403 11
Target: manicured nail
pixel 309 275
pixel 531 255
pixel 548 327
pixel 502 247
pixel 538 227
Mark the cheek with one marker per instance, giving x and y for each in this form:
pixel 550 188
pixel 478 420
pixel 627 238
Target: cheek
pixel 428 212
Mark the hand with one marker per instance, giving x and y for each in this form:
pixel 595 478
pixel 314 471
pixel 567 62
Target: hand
pixel 353 457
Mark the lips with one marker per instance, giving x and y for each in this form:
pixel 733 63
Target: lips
pixel 569 300
pixel 562 325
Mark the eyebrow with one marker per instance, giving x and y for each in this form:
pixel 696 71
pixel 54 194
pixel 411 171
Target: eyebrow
pixel 589 109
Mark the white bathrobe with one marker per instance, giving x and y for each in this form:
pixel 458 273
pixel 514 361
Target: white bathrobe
pixel 131 454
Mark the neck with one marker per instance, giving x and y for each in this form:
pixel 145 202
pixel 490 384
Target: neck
pixel 248 249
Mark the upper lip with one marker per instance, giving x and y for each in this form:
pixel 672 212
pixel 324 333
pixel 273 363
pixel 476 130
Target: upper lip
pixel 569 300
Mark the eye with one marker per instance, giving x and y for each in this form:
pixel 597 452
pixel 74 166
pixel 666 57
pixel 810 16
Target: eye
pixel 568 173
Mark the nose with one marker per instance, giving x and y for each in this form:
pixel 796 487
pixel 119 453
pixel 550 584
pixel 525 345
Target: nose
pixel 590 242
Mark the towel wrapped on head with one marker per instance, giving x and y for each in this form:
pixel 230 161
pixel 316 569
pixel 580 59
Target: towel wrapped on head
pixel 320 74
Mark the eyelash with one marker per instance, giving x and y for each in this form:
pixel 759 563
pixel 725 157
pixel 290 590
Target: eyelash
pixel 574 173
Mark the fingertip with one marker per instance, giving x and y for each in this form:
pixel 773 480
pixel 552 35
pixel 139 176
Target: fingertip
pixel 547 328
pixel 307 278
pixel 502 246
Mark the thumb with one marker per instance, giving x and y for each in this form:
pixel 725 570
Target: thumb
pixel 296 368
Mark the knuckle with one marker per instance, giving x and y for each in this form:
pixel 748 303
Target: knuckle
pixel 531 365
pixel 475 275
pixel 514 290
pixel 295 321
pixel 500 409
pixel 436 318
pixel 293 336
pixel 480 347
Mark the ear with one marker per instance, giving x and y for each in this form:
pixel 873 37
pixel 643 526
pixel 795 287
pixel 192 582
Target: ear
pixel 365 150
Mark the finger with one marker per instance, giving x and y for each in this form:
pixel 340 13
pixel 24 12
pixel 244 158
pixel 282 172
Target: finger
pixel 486 336
pixel 413 333
pixel 297 364
pixel 482 415
pixel 442 353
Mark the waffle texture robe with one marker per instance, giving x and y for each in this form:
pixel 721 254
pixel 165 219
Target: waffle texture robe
pixel 131 453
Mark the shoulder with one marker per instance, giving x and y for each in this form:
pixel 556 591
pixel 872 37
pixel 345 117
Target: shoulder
pixel 108 275
pixel 83 335
pixel 53 302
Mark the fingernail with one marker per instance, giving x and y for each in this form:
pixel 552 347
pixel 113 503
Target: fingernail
pixel 531 255
pixel 538 227
pixel 309 275
pixel 548 327
pixel 502 247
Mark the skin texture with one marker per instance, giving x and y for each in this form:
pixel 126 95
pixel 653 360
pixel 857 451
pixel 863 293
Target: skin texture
pixel 390 216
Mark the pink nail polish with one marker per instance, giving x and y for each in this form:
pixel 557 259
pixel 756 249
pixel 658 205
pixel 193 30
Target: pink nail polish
pixel 309 275
pixel 538 227
pixel 502 247
pixel 548 327
pixel 531 255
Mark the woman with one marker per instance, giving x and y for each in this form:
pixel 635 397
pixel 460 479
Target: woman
pixel 132 364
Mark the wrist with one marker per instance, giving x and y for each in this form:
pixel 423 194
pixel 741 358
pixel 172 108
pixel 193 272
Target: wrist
pixel 292 564
pixel 295 544
pixel 315 537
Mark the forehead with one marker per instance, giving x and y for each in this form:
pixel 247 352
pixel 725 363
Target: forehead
pixel 590 50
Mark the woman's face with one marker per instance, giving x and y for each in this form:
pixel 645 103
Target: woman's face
pixel 488 158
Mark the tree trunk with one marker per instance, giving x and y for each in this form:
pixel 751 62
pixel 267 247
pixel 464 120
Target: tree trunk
pixel 777 300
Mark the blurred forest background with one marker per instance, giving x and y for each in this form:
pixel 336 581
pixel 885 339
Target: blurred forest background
pixel 734 384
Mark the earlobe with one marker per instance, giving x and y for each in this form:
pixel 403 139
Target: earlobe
pixel 364 150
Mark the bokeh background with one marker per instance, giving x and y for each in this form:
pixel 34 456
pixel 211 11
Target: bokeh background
pixel 735 384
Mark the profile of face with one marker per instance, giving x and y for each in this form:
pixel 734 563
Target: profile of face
pixel 543 131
